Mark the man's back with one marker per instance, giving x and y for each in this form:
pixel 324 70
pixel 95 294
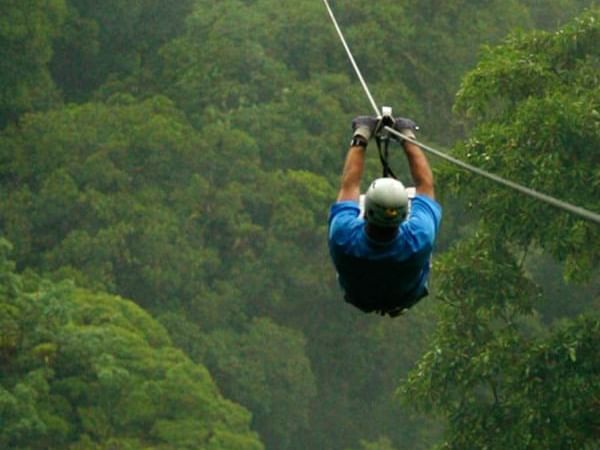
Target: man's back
pixel 383 275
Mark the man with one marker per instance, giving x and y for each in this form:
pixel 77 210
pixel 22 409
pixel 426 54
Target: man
pixel 383 259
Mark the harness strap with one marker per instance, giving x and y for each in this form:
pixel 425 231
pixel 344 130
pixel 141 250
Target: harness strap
pixel 383 151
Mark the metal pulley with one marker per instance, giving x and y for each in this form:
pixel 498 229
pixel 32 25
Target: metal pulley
pixel 382 139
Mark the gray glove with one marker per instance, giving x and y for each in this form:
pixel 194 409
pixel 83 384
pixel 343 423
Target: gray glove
pixel 364 126
pixel 406 126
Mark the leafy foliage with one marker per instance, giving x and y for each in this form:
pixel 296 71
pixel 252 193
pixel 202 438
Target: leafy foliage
pixel 83 370
pixel 535 104
pixel 27 29
pixel 493 370
pixel 191 171
pixel 113 44
pixel 116 198
pixel 498 379
pixel 266 368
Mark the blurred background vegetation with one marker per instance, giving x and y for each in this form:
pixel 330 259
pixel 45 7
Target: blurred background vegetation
pixel 166 170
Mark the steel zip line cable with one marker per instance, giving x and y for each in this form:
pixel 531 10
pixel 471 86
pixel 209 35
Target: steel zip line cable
pixel 356 69
pixel 511 184
pixel 577 210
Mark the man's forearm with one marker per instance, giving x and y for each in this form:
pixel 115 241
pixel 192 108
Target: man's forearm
pixel 352 175
pixel 419 169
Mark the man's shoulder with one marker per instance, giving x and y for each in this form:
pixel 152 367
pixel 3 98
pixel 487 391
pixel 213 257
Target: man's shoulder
pixel 344 206
pixel 427 200
pixel 344 223
pixel 422 226
pixel 423 205
pixel 347 210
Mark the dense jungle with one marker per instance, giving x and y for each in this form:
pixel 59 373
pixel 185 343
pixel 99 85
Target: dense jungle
pixel 166 172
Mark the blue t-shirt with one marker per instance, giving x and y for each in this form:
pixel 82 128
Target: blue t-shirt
pixel 376 275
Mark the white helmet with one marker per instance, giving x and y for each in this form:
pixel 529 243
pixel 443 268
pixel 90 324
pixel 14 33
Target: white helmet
pixel 386 203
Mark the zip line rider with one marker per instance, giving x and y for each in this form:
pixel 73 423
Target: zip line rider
pixel 383 259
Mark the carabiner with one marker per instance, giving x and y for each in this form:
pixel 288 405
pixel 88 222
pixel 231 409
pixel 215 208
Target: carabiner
pixel 384 120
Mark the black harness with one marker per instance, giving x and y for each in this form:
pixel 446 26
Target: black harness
pixel 382 139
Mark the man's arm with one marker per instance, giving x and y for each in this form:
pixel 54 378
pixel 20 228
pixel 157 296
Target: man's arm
pixel 362 127
pixel 353 171
pixel 417 162
pixel 419 169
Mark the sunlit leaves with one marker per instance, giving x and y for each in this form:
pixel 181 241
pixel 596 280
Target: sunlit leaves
pixel 92 370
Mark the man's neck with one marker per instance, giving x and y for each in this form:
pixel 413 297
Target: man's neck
pixel 381 234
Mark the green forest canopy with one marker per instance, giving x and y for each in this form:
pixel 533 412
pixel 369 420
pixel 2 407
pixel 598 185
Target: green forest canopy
pixel 166 172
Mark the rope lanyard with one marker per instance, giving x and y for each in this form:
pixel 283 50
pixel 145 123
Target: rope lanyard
pixel 566 206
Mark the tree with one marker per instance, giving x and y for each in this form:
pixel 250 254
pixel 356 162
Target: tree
pixel 533 105
pixel 216 64
pixel 113 45
pixel 549 15
pixel 82 370
pixel 27 29
pixel 266 369
pixel 500 378
pixel 415 55
pixel 84 189
pixel 128 204
pixel 493 371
